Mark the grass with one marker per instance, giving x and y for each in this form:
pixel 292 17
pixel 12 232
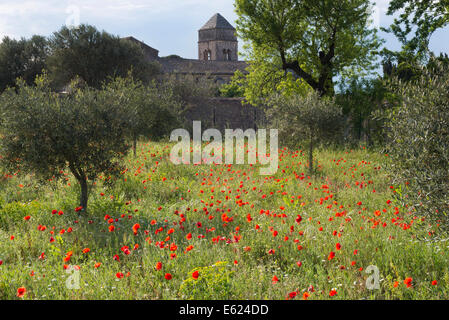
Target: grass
pixel 244 232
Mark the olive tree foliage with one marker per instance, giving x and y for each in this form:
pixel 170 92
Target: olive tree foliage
pixel 188 92
pixel 44 132
pixel 152 109
pixel 418 141
pixel 308 119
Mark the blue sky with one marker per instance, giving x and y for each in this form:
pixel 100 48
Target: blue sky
pixel 168 25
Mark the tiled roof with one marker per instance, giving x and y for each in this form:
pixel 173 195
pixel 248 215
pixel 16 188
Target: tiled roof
pixel 217 22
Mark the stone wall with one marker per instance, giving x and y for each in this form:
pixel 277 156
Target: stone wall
pixel 227 113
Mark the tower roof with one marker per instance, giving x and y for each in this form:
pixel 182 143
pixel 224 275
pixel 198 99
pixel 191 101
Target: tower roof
pixel 217 22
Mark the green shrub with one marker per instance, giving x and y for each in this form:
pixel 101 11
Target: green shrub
pixel 214 282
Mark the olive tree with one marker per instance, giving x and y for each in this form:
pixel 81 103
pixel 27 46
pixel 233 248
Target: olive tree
pixel 418 137
pixel 46 132
pixel 152 109
pixel 309 118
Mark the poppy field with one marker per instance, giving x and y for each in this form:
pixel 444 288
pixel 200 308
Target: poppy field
pixel 162 231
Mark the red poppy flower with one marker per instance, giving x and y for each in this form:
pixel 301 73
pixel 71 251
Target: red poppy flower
pixel 195 275
pixel 135 228
pixel 408 282
pixel 68 256
pixel 158 266
pixel 168 276
pixel 21 292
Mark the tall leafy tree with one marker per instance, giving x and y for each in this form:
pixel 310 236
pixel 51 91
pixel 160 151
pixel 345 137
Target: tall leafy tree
pixel 419 18
pixel 263 79
pixel 24 58
pixel 315 39
pixel 95 56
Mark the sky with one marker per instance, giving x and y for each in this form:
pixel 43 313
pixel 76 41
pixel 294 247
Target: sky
pixel 170 26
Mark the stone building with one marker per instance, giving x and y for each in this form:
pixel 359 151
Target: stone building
pixel 217 40
pixel 217 53
pixel 217 60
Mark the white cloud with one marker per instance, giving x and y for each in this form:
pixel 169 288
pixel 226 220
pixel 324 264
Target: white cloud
pixel 24 17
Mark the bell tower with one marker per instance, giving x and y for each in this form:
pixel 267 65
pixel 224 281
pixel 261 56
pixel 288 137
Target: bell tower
pixel 217 40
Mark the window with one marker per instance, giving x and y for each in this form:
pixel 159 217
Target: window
pixel 207 55
pixel 227 54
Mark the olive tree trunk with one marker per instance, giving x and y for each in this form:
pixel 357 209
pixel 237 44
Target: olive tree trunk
pixel 135 145
pixel 84 194
pixel 80 176
pixel 311 155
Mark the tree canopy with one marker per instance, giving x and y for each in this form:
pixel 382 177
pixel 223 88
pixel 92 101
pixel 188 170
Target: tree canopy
pixel 95 56
pixel 418 141
pixel 44 132
pixel 151 109
pixel 24 58
pixel 316 40
pixel 306 118
pixel 264 79
pixel 419 18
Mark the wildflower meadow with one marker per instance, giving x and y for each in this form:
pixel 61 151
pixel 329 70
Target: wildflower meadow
pixel 166 231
